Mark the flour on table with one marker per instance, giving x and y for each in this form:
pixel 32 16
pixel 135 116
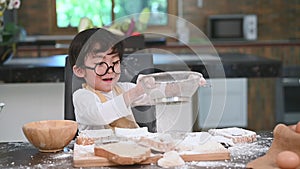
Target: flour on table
pixel 170 159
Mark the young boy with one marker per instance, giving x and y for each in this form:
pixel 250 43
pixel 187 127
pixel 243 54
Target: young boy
pixel 102 102
pixel 95 56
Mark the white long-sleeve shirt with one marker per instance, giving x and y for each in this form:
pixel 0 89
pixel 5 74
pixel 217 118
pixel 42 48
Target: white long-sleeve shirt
pixel 92 114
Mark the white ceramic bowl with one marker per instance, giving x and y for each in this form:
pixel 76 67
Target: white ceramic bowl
pixel 171 87
pixel 50 135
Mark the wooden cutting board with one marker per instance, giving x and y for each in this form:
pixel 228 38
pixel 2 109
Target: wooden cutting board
pixel 90 160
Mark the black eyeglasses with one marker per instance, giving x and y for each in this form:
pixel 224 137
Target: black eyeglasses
pixel 102 68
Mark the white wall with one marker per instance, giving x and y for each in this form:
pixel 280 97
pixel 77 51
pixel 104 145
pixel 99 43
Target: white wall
pixel 27 102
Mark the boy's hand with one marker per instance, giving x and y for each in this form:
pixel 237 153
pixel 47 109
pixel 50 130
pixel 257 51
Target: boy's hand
pixel 202 82
pixel 148 82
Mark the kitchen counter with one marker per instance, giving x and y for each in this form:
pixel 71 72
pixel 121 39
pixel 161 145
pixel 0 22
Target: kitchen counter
pixel 24 155
pixel 234 65
pixel 229 65
pixel 46 69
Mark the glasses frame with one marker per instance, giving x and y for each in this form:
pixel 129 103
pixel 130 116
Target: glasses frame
pixel 108 67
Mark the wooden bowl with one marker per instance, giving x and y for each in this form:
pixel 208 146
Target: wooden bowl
pixel 50 135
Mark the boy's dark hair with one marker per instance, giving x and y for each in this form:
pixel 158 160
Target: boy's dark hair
pixel 83 43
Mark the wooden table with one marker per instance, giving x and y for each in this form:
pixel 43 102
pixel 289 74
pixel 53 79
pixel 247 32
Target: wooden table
pixel 24 155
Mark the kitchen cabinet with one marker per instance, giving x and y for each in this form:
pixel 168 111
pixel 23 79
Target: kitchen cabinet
pixel 26 102
pixel 224 104
pixel 43 77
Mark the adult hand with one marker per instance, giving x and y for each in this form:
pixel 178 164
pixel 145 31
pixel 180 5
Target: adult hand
pixel 295 127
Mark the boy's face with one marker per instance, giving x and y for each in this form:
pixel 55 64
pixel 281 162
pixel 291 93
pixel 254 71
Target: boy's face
pixel 107 81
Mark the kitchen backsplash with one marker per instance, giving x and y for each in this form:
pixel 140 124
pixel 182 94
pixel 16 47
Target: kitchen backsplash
pixel 277 19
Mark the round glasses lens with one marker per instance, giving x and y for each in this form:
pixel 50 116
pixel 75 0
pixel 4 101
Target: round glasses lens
pixel 117 67
pixel 102 68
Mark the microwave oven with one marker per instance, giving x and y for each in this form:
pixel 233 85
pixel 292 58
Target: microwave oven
pixel 232 27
